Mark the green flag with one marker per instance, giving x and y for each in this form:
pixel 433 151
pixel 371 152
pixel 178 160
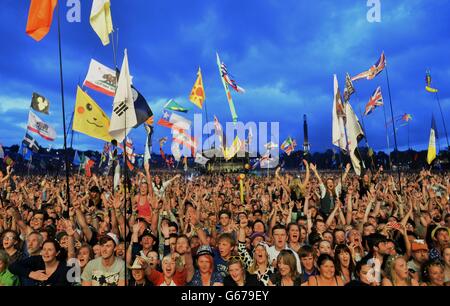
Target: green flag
pixel 174 106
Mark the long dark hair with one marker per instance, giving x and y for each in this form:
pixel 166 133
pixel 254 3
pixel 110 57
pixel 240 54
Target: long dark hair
pixel 342 248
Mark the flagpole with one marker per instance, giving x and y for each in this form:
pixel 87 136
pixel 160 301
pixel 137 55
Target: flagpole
pixel 365 133
pixel 66 160
pixel 393 125
pixel 443 121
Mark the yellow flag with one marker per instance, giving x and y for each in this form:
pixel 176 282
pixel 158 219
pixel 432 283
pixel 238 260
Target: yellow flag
pixel 233 150
pixel 431 155
pixel 101 20
pixel 89 118
pixel 198 92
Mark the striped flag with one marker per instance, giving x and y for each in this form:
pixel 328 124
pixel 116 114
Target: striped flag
pixel 229 79
pixel 374 70
pixel 375 100
pixel 288 145
pixel 36 125
pixel 227 90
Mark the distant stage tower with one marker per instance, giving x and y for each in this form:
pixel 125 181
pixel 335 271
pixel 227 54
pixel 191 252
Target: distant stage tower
pixel 306 146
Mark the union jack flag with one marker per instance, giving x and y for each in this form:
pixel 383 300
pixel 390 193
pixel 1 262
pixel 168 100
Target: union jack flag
pixel 374 70
pixel 375 100
pixel 229 79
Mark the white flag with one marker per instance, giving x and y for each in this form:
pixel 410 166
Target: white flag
pixel 354 135
pixel 179 122
pixel 36 125
pixel 117 177
pixel 101 78
pixel 200 159
pixel 175 148
pixel 123 117
pixel 338 119
pixel 2 153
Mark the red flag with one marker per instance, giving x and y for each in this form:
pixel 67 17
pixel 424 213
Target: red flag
pixel 40 18
pixel 88 165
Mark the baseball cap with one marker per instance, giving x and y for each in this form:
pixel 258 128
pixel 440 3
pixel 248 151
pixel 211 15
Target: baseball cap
pixel 418 245
pixel 204 250
pixel 113 237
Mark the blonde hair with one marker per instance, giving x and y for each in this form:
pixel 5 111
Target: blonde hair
pixel 253 268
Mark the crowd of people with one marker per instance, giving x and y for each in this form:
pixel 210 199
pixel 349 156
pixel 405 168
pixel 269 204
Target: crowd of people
pixel 164 229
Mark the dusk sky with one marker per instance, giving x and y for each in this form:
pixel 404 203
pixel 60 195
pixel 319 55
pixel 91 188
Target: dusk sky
pixel 283 52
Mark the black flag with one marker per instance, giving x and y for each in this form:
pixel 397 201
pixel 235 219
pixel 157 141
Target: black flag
pixel 39 103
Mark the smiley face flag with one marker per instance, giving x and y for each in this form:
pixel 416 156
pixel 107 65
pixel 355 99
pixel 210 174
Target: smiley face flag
pixel 89 118
pixel 39 103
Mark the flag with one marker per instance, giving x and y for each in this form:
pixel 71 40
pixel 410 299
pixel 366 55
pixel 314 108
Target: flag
pixel 175 148
pixel 39 103
pixel 406 118
pixel 267 162
pixel 428 83
pixel 181 137
pixel 229 79
pixel 197 95
pixel 354 135
pixel 2 153
pixel 8 161
pixel 143 111
pixel 218 131
pixel 374 70
pixel 88 164
pixel 101 20
pixel 36 125
pixel 174 106
pixel 375 100
pixel 101 78
pixel 179 122
pixel 200 159
pixel 233 149
pixel 148 143
pixel 31 143
pixel 40 18
pixel 123 117
pixel 116 178
pixel 349 89
pixel 164 120
pixel 227 90
pixel 76 159
pixel 288 145
pixel 271 145
pixel 89 118
pixel 431 155
pixel 338 130
pixel 25 152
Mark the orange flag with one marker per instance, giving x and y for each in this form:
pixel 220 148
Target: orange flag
pixel 198 92
pixel 40 18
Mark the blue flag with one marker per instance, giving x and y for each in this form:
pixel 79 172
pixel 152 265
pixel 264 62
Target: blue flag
pixel 26 152
pixel 76 159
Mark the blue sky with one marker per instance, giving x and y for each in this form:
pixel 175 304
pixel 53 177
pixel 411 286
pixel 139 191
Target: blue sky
pixel 284 53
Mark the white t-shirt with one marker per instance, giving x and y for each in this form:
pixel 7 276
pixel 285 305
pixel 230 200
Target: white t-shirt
pixel 169 285
pixel 273 254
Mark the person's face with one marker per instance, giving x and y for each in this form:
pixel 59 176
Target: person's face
pixel 320 227
pixel 97 250
pixel 172 244
pixel 168 267
pixel 37 221
pixel 224 220
pixel 325 248
pixel 138 274
pixel 340 237
pixel 280 237
pixel 107 249
pixel 225 248
pixel 153 259
pixel 308 262
pixel 303 234
pixel 400 268
pixel 157 180
pixel 182 245
pixel 172 230
pixel 443 238
pixel 204 265
pixel 344 259
pixel 294 233
pixel 195 242
pixel 143 189
pixel 368 230
pixel 420 256
pixel 437 275
pixel 283 268
pixel 258 227
pixel 9 241
pixel 147 242
pixel 257 240
pixel 83 256
pixel 354 237
pixel 236 272
pixel 330 184
pixel 446 256
pixel 48 252
pixel 33 244
pixel 257 216
pixel 328 237
pixel 327 269
pixel 120 250
pixel 390 248
pixel 260 255
pixel 64 242
pixel 364 274
pixel 212 219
